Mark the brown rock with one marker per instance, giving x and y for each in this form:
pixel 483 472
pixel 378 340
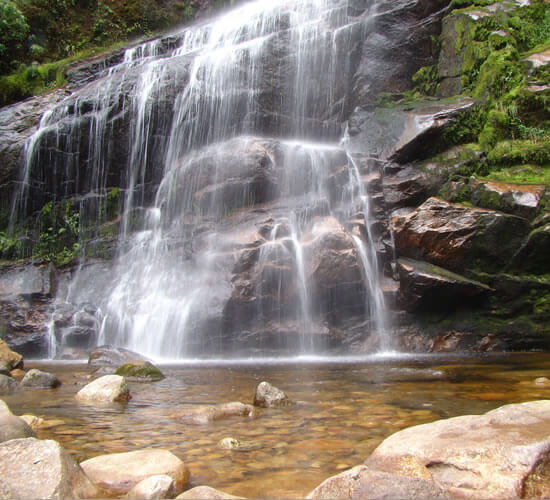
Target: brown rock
pixel 38 379
pixel 269 396
pixel 18 374
pixel 205 414
pixel 31 468
pixel 458 237
pixel 12 427
pixel 501 454
pixel 10 358
pixel 205 492
pixel 118 473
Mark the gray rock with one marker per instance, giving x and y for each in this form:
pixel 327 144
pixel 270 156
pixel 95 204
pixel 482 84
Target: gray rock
pixel 13 427
pixel 107 355
pixel 269 396
pixel 38 379
pixel 31 468
pixel 205 414
pixel 106 389
pixel 206 493
pixel 8 385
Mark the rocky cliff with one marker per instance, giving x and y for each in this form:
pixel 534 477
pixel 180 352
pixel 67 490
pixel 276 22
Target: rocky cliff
pixel 421 110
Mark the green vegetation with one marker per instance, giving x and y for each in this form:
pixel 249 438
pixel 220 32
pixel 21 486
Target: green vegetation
pixel 39 39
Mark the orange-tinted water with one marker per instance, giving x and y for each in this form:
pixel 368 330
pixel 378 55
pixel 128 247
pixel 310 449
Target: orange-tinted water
pixel 343 412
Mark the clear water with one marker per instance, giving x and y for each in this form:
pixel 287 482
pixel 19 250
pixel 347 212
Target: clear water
pixel 343 411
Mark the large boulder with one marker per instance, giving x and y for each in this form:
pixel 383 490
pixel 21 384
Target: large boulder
pixel 206 414
pixel 362 482
pixel 106 389
pixel 32 468
pixel 429 287
pixel 38 379
pixel 458 237
pixel 268 396
pixel 501 454
pixel 108 355
pixel 118 473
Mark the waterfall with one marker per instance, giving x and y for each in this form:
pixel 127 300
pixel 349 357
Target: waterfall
pixel 236 189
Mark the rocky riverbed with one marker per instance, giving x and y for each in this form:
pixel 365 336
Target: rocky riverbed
pixel 338 419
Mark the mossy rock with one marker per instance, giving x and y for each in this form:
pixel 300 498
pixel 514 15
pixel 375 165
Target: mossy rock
pixel 140 371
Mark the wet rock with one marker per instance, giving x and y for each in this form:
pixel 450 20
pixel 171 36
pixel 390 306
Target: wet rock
pixel 230 443
pixel 205 414
pixel 18 374
pixel 9 359
pixel 106 389
pixel 458 237
pixel 28 281
pixel 542 381
pixel 206 493
pixel 38 379
pixel 159 486
pixel 362 482
pixel 13 427
pixel 33 421
pixel 532 257
pixel 118 473
pixel 501 454
pixel 8 385
pixel 31 468
pixel 107 355
pixel 516 199
pixel 402 134
pixel 429 287
pixel 269 396
pixel 140 371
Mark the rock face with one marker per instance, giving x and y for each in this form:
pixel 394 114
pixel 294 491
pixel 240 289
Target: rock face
pixel 205 414
pixel 38 379
pixel 9 359
pixel 501 454
pixel 268 396
pixel 106 389
pixel 31 468
pixel 118 473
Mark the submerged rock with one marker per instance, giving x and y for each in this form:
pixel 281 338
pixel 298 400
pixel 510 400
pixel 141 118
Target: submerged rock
pixel 501 454
pixel 206 492
pixel 38 379
pixel 205 414
pixel 31 468
pixel 118 473
pixel 159 486
pixel 106 389
pixel 140 371
pixel 268 396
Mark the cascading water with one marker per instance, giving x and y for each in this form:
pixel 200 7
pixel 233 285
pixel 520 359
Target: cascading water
pixel 242 213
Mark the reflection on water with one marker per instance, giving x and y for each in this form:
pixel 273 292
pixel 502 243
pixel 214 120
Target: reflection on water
pixel 344 411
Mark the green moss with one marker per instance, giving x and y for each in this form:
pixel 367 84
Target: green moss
pixel 521 174
pixel 143 371
pixel 426 80
pixel 520 152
